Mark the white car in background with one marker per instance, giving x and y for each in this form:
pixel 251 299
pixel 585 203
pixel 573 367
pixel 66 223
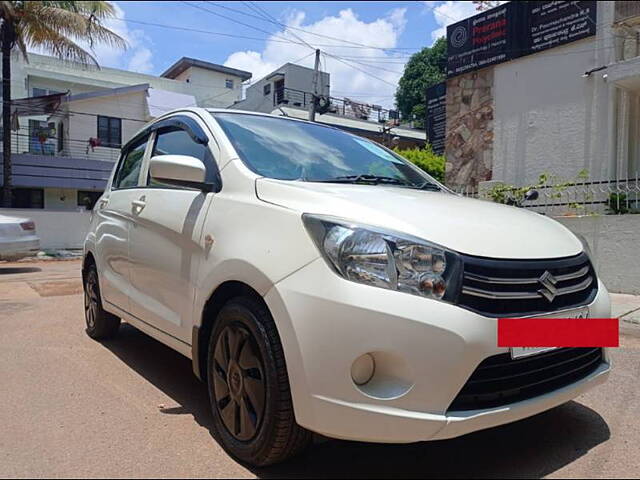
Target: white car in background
pixel 18 238
pixel 321 283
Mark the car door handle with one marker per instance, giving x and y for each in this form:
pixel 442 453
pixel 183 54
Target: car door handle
pixel 103 203
pixel 139 204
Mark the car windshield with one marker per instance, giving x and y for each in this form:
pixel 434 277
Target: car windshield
pixel 285 149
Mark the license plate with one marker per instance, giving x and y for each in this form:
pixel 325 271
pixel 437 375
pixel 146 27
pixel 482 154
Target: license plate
pixel 522 352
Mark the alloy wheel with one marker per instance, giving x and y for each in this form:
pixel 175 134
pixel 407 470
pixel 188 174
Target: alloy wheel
pixel 239 384
pixel 91 300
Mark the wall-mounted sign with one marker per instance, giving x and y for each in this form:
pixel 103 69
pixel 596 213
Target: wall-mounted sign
pixel 436 121
pixel 516 29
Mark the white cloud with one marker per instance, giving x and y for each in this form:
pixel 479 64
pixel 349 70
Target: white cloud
pixel 446 13
pixel 141 61
pixel 345 27
pixel 138 57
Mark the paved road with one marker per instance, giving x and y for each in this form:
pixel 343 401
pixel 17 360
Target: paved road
pixel 71 407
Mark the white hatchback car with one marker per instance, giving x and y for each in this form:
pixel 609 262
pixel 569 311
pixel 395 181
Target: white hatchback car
pixel 321 283
pixel 18 238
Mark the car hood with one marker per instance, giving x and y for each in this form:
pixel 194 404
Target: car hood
pixel 469 226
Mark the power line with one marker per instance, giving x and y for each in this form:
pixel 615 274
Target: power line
pixel 363 71
pixel 244 24
pixel 244 37
pixel 289 27
pixel 266 17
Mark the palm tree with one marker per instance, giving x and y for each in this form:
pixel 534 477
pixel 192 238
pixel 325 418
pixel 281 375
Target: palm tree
pixel 55 27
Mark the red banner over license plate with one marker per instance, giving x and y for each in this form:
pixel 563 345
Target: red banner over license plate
pixel 558 332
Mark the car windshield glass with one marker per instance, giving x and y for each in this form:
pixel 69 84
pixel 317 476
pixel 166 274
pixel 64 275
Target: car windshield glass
pixel 286 149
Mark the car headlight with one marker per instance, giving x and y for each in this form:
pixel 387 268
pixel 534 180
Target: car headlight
pixel 385 259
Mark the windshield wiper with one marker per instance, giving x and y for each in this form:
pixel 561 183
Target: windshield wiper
pixel 362 178
pixel 427 186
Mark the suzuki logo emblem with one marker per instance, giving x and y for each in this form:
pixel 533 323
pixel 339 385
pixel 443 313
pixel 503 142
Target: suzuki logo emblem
pixel 548 282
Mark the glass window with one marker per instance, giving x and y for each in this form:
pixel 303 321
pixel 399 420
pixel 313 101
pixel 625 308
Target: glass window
pixel 175 141
pixel 28 198
pixel 88 199
pixel 267 89
pixel 128 172
pixel 228 83
pixel 293 150
pixel 109 132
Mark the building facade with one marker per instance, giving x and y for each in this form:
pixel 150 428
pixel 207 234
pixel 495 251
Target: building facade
pixel 63 149
pixel 568 104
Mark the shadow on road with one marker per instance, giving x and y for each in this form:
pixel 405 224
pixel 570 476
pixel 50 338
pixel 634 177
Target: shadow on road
pixel 534 447
pixel 16 270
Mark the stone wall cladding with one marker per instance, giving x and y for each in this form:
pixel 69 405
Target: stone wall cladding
pixel 469 134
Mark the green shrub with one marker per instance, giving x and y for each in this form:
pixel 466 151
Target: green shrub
pixel 618 204
pixel 426 160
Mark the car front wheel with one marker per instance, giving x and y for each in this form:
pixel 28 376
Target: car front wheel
pixel 249 386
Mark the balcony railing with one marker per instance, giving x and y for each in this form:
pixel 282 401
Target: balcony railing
pixel 69 148
pixel 343 107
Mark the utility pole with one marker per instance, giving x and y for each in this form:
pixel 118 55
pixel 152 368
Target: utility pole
pixel 316 74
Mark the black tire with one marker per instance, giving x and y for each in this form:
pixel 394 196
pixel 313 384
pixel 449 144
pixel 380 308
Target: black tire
pixel 100 323
pixel 244 341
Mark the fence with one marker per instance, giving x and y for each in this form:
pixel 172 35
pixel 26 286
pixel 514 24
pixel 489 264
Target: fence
pixel 570 198
pixel 62 147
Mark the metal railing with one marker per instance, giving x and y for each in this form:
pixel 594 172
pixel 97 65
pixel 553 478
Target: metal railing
pixel 71 148
pixel 615 197
pixel 344 107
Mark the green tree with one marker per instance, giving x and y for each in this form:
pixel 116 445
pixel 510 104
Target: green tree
pixel 55 27
pixel 424 69
pixel 426 160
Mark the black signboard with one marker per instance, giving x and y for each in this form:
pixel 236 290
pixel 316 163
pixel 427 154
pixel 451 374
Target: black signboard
pixel 516 29
pixel 482 40
pixel 549 24
pixel 436 117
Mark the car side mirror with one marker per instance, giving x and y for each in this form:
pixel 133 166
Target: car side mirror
pixel 531 195
pixel 179 170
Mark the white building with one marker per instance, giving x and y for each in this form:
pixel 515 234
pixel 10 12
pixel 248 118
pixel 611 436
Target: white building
pixel 289 91
pixel 559 111
pixel 64 148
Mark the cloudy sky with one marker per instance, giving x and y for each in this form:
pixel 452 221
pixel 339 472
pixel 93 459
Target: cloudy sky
pixel 365 44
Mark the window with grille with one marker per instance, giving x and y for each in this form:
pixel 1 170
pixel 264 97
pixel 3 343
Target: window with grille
pixel 110 132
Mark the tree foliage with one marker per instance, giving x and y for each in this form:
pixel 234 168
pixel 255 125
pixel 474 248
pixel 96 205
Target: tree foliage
pixel 426 160
pixel 57 26
pixel 424 69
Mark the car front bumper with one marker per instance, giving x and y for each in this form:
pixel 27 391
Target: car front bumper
pixel 424 353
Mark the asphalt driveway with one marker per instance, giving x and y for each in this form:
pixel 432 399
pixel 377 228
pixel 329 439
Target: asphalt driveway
pixel 71 407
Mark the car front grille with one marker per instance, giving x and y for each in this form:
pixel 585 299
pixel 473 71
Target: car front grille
pixel 499 288
pixel 500 380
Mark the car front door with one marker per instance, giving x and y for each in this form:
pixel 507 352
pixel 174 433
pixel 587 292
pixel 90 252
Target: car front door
pixel 165 238
pixel 115 211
